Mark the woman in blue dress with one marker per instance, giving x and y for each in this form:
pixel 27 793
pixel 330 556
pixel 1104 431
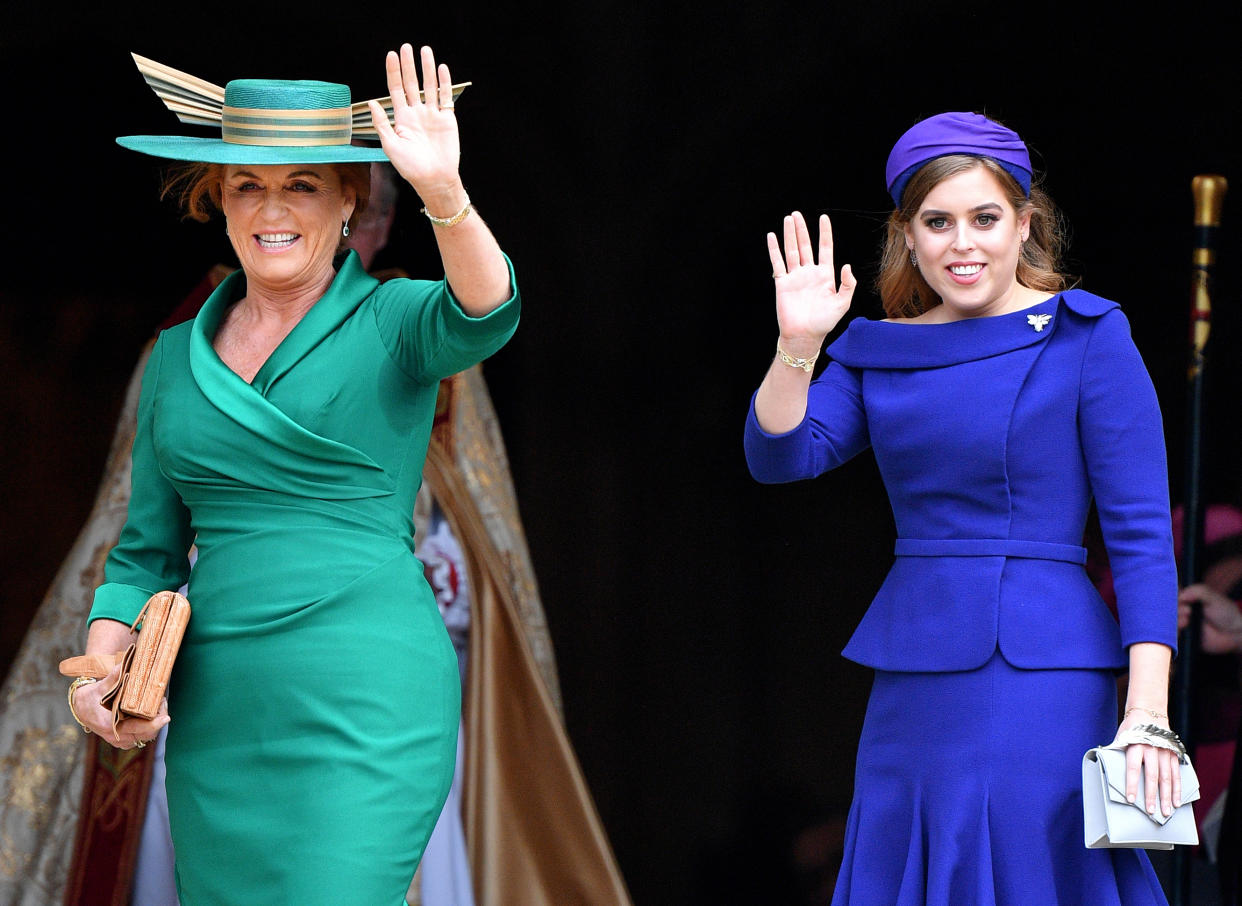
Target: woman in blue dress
pixel 998 404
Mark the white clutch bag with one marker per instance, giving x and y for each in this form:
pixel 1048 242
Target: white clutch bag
pixel 1113 822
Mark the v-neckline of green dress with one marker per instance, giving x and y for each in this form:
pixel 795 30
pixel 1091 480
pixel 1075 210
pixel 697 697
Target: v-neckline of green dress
pixel 247 403
pixel 347 290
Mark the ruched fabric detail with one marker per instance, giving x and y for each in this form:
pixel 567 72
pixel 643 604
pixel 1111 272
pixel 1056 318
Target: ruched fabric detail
pixel 316 699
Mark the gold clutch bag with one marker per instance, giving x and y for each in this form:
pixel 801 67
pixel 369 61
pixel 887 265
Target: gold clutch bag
pixel 146 664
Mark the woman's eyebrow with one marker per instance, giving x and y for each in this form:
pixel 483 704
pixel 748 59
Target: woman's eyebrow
pixel 979 207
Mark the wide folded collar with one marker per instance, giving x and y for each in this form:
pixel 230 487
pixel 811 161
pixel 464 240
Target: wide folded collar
pixel 349 287
pixel 888 344
pixel 326 466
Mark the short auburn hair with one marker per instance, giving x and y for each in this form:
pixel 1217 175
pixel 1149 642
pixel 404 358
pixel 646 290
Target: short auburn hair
pixel 903 291
pixel 197 188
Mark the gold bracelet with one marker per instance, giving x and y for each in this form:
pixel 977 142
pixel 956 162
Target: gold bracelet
pixel 794 361
pixel 450 221
pixel 1155 714
pixel 73 687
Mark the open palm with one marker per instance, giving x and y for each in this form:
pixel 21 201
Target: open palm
pixel 422 142
pixel 809 303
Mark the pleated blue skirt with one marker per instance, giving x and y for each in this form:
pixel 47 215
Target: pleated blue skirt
pixel 968 792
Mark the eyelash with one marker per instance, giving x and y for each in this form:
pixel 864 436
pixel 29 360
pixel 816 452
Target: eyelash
pixel 303 187
pixel 983 220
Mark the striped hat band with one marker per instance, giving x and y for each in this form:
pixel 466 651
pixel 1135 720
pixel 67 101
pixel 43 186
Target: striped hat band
pixel 259 126
pixel 286 112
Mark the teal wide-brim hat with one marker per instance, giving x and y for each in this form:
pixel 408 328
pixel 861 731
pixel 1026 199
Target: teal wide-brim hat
pixel 261 121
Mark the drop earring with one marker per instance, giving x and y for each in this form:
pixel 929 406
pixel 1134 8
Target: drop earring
pixel 914 259
pixel 345 230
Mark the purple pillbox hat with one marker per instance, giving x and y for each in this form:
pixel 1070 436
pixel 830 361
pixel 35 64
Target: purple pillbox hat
pixel 956 133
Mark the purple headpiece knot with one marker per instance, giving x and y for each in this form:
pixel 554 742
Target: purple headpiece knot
pixel 956 133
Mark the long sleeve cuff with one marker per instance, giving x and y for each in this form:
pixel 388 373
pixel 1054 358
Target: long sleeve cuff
pixel 115 601
pixel 500 321
pixel 776 458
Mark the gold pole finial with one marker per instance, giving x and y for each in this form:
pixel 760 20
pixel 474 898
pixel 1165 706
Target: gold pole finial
pixel 1209 190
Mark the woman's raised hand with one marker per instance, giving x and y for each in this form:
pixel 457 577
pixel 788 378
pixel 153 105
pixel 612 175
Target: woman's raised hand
pixel 808 301
pixel 808 305
pixel 423 144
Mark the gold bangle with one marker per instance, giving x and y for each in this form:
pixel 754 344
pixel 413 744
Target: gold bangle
pixel 73 687
pixel 1156 714
pixel 450 221
pixel 794 361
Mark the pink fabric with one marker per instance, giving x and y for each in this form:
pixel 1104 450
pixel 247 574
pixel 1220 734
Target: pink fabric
pixel 1221 521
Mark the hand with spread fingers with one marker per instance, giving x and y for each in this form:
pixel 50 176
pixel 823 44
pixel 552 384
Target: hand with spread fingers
pixel 424 148
pixel 423 142
pixel 809 303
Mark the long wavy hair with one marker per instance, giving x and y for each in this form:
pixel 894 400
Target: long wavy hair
pixel 903 291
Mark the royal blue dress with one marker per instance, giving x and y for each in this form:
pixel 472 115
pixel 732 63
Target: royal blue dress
pixel 994 655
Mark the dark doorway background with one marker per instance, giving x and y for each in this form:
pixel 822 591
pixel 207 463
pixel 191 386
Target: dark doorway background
pixel 630 158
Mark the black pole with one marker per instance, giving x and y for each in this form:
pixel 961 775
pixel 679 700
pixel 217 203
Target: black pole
pixel 1209 194
pixel 1191 572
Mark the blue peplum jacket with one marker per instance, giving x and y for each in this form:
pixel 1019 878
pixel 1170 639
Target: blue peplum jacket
pixel 992 436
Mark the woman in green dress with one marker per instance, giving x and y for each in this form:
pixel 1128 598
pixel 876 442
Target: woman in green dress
pixel 283 431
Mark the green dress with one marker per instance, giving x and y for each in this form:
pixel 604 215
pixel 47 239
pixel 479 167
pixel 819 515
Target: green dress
pixel 316 698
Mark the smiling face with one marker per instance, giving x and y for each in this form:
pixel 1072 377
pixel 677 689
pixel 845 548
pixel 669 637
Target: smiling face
pixel 967 237
pixel 284 221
